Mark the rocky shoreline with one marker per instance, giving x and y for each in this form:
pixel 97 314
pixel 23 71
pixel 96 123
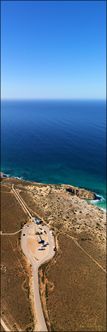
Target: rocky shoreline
pixel 83 193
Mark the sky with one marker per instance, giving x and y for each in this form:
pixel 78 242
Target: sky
pixel 53 49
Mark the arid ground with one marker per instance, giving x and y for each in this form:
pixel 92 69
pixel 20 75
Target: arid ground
pixel 73 284
pixel 15 302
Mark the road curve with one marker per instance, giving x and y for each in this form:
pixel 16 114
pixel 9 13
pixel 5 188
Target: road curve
pixel 1 233
pixel 41 325
pixel 38 311
pixel 4 326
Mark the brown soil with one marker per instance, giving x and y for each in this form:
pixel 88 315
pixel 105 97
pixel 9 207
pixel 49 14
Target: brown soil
pixel 15 303
pixel 72 285
pixel 12 215
pixel 77 302
pixel 78 299
pixel 63 211
pixel 1 328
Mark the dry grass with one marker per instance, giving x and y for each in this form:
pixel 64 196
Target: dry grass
pixel 15 304
pixel 1 328
pixel 72 284
pixel 64 211
pixel 12 216
pixel 78 299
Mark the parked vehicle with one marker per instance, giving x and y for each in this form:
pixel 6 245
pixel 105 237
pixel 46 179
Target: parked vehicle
pixel 41 241
pixel 45 244
pixel 38 221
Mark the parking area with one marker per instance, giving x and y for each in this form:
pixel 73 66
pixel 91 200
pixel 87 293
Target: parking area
pixel 37 241
pixel 36 237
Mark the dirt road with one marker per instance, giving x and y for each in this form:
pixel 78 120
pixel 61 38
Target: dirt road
pixel 29 232
pixel 4 326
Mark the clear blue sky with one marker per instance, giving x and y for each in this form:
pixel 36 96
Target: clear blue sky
pixel 53 49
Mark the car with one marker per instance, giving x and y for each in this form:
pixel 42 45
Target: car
pixel 38 221
pixel 41 241
pixel 45 244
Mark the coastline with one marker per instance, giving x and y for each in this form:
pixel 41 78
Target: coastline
pixel 79 228
pixel 96 200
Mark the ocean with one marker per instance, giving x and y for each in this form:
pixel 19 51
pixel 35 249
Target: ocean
pixel 56 142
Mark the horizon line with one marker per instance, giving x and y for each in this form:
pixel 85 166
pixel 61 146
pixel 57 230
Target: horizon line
pixel 53 99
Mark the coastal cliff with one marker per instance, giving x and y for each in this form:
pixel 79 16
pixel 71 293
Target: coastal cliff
pixel 81 192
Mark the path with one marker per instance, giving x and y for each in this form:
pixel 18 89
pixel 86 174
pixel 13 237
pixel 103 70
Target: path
pixel 1 233
pixel 4 326
pixel 41 257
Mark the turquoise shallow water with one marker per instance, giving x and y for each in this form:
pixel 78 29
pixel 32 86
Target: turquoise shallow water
pixel 56 142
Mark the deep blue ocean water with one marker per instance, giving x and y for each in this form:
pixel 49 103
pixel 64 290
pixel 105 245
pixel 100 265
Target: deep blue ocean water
pixel 55 142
